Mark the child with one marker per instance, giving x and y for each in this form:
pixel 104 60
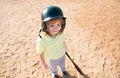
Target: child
pixel 50 43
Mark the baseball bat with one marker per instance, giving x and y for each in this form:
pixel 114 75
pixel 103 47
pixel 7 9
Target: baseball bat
pixel 76 66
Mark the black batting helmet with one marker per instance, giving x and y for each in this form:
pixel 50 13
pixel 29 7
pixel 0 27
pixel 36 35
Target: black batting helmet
pixel 52 12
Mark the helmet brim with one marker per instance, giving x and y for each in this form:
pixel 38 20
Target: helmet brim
pixel 51 18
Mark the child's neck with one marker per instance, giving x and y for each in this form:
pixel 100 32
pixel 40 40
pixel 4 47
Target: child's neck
pixel 53 36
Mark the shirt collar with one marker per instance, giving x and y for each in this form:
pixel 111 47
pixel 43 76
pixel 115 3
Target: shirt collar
pixel 47 37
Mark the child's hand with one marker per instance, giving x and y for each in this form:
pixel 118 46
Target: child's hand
pixel 46 67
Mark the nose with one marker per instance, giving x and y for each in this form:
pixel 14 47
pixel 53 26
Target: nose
pixel 56 26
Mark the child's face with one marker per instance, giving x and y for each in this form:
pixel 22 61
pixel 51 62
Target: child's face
pixel 54 26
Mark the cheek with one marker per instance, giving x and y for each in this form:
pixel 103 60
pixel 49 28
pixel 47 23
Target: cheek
pixel 49 30
pixel 60 27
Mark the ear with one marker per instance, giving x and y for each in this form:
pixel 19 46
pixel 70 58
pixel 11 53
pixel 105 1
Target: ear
pixel 64 23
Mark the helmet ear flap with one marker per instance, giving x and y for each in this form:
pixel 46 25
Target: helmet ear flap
pixel 44 26
pixel 64 23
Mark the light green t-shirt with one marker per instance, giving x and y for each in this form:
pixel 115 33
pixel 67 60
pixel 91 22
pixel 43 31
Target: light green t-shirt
pixel 53 48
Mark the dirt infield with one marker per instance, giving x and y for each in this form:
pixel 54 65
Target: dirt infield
pixel 92 35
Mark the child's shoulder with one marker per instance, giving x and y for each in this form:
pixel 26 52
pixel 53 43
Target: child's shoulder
pixel 62 34
pixel 40 40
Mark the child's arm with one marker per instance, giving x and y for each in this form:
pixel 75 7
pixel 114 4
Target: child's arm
pixel 43 60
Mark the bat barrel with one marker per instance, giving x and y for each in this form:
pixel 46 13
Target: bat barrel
pixel 77 67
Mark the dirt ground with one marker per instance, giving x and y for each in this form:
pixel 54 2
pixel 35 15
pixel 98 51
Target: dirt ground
pixel 92 35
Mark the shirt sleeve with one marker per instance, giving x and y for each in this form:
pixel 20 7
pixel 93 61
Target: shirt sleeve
pixel 40 46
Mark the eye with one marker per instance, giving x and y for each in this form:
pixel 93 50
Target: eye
pixel 58 25
pixel 51 25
